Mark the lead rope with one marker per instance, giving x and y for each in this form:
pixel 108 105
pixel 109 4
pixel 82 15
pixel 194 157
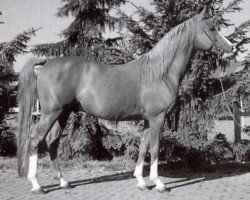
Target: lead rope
pixel 224 95
pixel 228 108
pixel 222 87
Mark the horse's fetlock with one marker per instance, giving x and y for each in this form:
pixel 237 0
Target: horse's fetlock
pixel 31 177
pixel 153 178
pixel 136 174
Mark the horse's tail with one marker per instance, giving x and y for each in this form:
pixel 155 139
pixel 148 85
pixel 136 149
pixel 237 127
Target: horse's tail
pixel 27 97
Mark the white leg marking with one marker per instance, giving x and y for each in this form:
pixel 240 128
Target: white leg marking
pixel 154 175
pixel 63 182
pixel 32 174
pixel 138 175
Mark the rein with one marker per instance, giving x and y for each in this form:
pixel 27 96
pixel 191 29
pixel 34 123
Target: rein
pixel 230 112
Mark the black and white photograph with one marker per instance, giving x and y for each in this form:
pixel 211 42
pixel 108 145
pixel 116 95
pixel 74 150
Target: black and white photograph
pixel 125 99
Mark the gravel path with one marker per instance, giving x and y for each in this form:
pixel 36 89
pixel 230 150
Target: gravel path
pixel 93 185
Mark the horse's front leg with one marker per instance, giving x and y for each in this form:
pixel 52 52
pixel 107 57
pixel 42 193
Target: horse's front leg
pixel 156 124
pixel 139 166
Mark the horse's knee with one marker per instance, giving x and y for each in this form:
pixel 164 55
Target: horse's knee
pixel 144 146
pixel 154 152
pixel 143 152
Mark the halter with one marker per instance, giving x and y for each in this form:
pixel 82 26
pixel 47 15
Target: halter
pixel 209 37
pixel 213 41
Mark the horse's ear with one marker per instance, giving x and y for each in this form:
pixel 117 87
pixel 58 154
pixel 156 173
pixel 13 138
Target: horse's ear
pixel 203 13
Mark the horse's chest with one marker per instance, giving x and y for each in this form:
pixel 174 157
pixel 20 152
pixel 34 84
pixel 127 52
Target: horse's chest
pixel 158 99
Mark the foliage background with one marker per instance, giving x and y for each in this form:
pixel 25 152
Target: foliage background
pixel 8 88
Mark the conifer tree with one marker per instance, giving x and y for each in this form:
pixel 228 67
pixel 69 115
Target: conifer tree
pixel 84 36
pixel 8 52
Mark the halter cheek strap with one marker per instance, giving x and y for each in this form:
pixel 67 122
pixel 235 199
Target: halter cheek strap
pixel 209 37
pixel 213 42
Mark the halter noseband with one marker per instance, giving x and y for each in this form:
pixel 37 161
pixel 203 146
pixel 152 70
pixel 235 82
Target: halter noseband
pixel 213 41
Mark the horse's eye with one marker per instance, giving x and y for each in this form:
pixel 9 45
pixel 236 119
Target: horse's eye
pixel 213 29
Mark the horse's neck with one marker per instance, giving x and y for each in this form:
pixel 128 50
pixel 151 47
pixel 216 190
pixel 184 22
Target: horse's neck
pixel 180 62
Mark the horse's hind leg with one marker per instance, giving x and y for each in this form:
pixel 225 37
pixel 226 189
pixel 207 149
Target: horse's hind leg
pixel 53 140
pixel 142 152
pixel 38 134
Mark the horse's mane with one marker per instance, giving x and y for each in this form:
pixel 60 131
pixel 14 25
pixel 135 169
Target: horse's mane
pixel 157 62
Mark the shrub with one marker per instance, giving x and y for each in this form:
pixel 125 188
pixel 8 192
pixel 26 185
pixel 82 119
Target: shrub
pixel 123 138
pixel 242 151
pixel 7 142
pixel 192 152
pixel 99 139
pixel 83 135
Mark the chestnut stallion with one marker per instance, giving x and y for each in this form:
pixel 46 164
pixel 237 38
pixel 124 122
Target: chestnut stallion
pixel 143 89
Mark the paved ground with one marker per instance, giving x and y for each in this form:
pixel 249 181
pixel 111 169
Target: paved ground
pixel 92 185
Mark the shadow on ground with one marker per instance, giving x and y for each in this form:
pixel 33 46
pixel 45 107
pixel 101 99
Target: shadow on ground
pixel 113 177
pixel 185 176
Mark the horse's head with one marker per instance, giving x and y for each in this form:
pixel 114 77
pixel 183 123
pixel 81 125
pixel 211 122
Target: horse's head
pixel 208 37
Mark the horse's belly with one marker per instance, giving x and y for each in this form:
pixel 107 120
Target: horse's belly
pixel 109 106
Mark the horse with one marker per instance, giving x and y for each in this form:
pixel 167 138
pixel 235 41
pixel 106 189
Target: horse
pixel 142 89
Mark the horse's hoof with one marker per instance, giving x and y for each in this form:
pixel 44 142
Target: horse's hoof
pixel 67 187
pixel 143 188
pixel 38 191
pixel 162 190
